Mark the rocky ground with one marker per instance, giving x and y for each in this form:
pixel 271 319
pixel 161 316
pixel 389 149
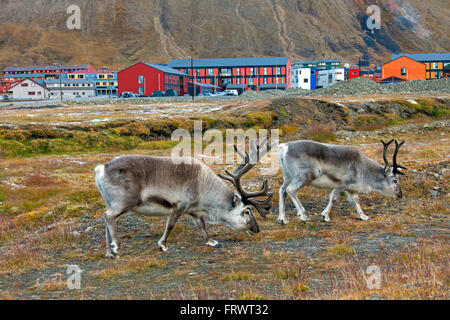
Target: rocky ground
pixel 51 218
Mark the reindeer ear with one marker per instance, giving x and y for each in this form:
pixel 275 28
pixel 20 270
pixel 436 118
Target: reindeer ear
pixel 388 170
pixel 236 200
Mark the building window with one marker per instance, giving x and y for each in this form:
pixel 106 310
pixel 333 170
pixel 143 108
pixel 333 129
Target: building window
pixel 305 80
pixel 265 80
pixel 278 71
pixel 31 93
pixel 238 71
pixel 210 72
pixel 250 81
pixel 238 81
pixel 225 72
pixel 140 79
pixel 403 72
pixel 141 91
pixel 434 65
pixel 265 71
pixel 24 84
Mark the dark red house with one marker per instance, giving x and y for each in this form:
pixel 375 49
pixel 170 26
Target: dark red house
pixel 145 78
pixel 256 73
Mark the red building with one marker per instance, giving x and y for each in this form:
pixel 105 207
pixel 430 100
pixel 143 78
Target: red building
pixel 351 73
pixel 5 85
pixel 239 73
pixel 145 78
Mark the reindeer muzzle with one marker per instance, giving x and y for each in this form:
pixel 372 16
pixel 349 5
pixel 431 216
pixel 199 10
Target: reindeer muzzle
pixel 399 195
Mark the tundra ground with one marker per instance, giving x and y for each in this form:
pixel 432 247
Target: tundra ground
pixel 51 212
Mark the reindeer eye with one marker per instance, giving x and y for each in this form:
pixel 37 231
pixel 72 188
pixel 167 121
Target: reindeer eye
pixel 395 180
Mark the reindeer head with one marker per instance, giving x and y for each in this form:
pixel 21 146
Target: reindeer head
pixel 243 200
pixel 391 186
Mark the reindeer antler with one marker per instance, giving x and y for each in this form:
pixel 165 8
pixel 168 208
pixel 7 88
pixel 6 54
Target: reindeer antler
pixel 385 148
pixel 395 165
pixel 263 206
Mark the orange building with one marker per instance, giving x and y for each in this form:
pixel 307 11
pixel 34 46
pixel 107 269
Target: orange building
pixel 404 68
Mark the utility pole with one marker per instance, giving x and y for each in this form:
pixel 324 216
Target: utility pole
pixel 60 80
pixel 276 73
pixel 192 78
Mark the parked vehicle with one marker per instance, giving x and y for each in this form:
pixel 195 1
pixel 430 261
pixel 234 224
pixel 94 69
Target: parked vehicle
pixel 231 92
pixel 159 94
pixel 220 93
pixel 171 93
pixel 127 94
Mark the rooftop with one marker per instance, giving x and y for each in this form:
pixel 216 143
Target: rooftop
pixel 424 57
pixel 47 68
pixel 318 61
pixel 228 62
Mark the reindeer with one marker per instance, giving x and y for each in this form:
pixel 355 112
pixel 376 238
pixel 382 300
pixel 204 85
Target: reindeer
pixel 339 168
pixel 165 186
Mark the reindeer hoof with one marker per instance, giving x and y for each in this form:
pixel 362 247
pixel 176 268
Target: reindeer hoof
pixel 110 255
pixel 213 243
pixel 283 221
pixel 162 247
pixel 364 217
pixel 114 249
pixel 303 218
pixel 326 218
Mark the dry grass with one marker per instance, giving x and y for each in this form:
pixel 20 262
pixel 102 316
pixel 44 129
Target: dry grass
pixel 18 259
pixel 58 188
pixel 129 266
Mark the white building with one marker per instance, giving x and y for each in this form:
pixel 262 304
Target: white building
pixel 340 74
pixel 28 89
pixel 72 90
pixel 304 78
pixel 326 78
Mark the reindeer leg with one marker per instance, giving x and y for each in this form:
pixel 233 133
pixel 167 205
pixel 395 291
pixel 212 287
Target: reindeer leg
pixel 112 244
pixel 292 192
pixel 353 197
pixel 108 240
pixel 333 196
pixel 171 221
pixel 281 208
pixel 207 240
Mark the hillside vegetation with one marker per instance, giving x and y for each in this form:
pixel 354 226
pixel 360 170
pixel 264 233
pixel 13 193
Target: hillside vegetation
pixel 117 33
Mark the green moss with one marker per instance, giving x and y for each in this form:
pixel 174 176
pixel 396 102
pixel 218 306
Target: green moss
pixel 11 148
pixel 260 118
pixel 157 145
pixel 321 133
pixel 441 113
pixel 236 276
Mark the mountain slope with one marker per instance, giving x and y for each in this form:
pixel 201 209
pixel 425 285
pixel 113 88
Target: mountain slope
pixel 119 32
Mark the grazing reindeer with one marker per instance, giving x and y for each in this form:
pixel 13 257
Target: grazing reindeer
pixel 164 186
pixel 339 168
